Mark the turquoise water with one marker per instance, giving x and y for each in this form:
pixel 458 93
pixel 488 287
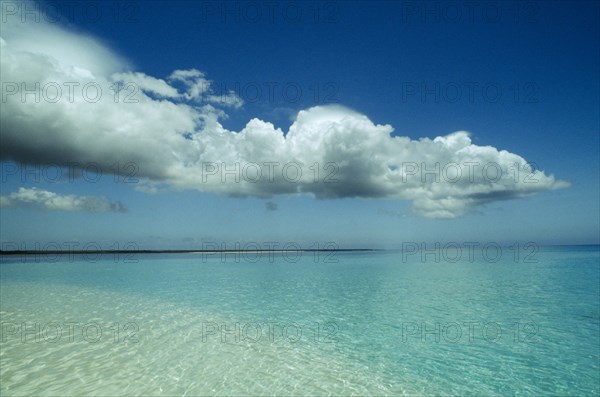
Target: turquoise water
pixel 374 323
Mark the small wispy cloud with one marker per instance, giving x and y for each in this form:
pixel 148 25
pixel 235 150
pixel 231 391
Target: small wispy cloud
pixel 271 206
pixel 50 201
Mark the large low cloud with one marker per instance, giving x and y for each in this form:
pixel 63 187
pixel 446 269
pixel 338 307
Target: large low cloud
pixel 170 128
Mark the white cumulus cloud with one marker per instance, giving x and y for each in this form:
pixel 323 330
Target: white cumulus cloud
pixel 171 130
pixel 43 199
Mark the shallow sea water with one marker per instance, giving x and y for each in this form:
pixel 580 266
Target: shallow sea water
pixel 370 323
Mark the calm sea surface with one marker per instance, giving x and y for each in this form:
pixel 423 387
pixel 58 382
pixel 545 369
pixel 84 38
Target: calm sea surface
pixel 373 323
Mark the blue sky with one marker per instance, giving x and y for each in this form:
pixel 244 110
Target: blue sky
pixel 517 76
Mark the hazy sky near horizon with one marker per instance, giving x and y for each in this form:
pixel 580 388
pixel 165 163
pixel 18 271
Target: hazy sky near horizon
pixel 178 124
